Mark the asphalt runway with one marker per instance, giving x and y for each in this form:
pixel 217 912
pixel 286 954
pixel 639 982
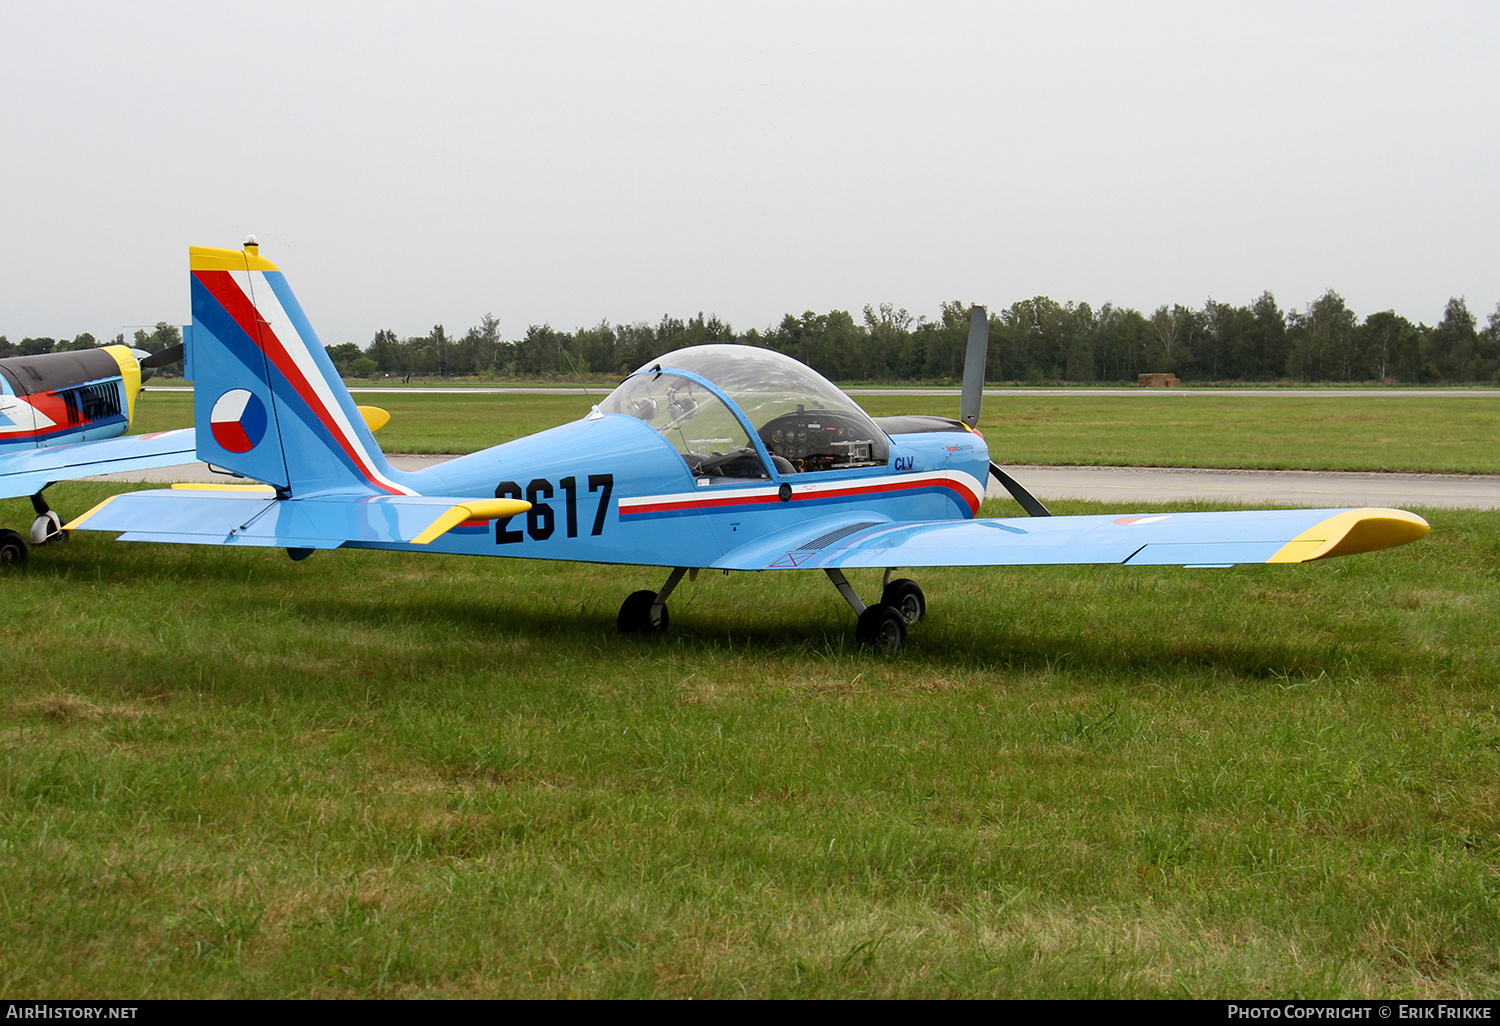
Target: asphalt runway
pixel 1122 486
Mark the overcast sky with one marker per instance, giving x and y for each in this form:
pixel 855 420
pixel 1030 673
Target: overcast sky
pixel 407 164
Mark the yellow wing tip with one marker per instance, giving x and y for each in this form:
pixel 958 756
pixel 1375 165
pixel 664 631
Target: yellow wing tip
pixel 1351 532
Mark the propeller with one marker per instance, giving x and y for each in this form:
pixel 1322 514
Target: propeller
pixel 150 364
pixel 974 359
pixel 972 399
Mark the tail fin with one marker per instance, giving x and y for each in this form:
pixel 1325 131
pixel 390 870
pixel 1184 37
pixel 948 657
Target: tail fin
pixel 267 400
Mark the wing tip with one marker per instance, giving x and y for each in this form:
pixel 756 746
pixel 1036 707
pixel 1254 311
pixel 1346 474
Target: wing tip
pixel 1353 531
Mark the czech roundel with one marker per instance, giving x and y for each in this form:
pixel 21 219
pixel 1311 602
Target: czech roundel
pixel 238 420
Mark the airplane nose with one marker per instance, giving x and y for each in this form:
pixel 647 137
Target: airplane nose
pixel 141 356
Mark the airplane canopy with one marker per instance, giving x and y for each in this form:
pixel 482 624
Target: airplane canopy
pixel 799 414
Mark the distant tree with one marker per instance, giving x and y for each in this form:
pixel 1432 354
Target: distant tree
pixel 36 346
pixel 1454 344
pixel 598 349
pixel 7 347
pixel 163 336
pixel 1268 343
pixel 1118 342
pixel 82 341
pixel 888 334
pixel 1489 342
pixel 1322 340
pixel 385 350
pixel 480 347
pixel 1392 346
pixel 1172 333
pixel 540 351
pixel 343 355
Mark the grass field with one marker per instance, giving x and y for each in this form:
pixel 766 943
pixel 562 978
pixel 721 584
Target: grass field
pixel 375 774
pixel 1412 434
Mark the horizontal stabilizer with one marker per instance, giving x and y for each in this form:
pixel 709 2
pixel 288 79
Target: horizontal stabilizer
pixel 1160 539
pixel 236 516
pixel 29 471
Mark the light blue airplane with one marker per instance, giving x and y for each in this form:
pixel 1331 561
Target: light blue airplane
pixel 713 457
pixel 61 415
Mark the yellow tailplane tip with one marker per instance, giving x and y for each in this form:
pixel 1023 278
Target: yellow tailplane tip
pixel 474 509
pixel 375 417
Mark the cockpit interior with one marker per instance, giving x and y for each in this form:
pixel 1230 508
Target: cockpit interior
pixel 804 421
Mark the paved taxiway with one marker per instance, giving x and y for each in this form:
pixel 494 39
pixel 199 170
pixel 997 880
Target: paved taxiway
pixel 1122 486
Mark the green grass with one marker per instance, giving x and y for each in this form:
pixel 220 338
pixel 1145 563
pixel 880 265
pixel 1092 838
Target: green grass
pixel 1356 433
pixel 375 774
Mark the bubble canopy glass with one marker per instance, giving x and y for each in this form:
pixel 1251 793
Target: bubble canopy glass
pixel 799 415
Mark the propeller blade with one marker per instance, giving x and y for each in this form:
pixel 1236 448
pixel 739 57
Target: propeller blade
pixel 1030 503
pixel 171 354
pixel 979 346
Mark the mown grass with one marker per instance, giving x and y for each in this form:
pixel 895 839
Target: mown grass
pixel 372 774
pixel 1352 433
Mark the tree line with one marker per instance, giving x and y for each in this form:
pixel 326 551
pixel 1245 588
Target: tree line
pixel 163 336
pixel 1033 340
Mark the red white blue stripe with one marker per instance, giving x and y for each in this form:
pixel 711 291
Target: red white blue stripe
pixel 963 488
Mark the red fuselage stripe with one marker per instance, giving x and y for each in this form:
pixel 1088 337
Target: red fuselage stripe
pixel 628 507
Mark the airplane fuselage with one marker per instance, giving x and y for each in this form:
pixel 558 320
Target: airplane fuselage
pixel 612 489
pixel 60 398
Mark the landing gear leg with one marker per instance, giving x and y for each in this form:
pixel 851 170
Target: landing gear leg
pixel 882 627
pixel 645 612
pixel 47 527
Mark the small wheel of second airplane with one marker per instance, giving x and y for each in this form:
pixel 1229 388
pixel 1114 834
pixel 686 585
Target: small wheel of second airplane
pixel 12 548
pixel 905 596
pixel 882 628
pixel 635 614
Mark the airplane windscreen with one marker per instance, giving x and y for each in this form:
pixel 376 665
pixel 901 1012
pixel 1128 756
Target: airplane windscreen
pixel 800 415
pixel 693 419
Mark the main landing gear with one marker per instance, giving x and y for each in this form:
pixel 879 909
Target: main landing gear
pixel 881 626
pixel 46 529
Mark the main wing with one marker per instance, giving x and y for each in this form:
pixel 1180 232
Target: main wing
pixel 1154 539
pixel 29 471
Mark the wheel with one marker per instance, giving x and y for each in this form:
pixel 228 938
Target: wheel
pixel 12 548
pixel 635 614
pixel 906 597
pixel 881 627
pixel 47 529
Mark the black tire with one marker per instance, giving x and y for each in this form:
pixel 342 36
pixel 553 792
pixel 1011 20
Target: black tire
pixel 12 548
pixel 635 614
pixel 882 628
pixel 906 597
